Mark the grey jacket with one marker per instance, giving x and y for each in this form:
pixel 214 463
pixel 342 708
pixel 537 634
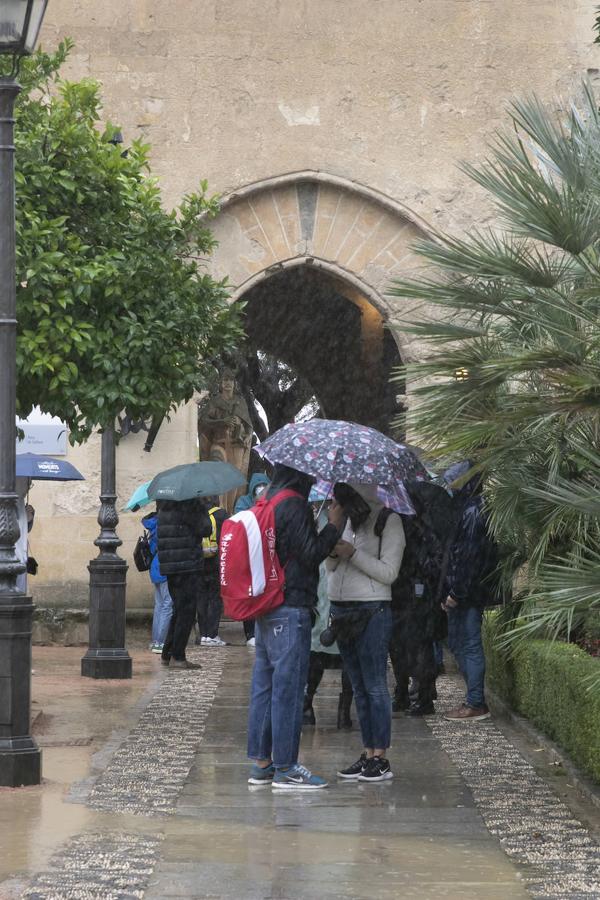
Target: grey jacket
pixel 367 576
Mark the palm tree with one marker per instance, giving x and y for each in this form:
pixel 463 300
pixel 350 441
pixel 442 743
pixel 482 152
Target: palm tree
pixel 512 381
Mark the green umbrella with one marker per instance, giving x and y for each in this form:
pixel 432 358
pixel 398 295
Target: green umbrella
pixel 203 479
pixel 139 498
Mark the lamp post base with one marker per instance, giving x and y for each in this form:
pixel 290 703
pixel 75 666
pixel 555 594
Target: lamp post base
pixel 106 663
pixel 107 656
pixel 20 757
pixel 20 762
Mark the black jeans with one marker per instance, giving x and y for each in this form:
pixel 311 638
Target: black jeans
pixel 209 604
pixel 184 592
pixel 411 653
pixel 317 665
pixel 249 625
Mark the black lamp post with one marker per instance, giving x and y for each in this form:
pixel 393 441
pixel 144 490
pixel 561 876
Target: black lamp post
pixel 20 758
pixel 106 656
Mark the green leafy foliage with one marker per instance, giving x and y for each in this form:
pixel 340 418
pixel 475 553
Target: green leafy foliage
pixel 115 308
pixel 542 680
pixel 512 381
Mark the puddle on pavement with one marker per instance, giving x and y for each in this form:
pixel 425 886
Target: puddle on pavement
pixel 75 718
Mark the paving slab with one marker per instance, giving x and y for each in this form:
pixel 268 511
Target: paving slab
pixel 150 800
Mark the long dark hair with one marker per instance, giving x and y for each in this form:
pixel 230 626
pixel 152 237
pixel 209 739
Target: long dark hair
pixel 355 508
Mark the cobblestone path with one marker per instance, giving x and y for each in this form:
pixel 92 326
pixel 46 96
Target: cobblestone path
pixel 533 825
pixel 171 816
pixel 145 777
pixel 99 865
pixel 148 772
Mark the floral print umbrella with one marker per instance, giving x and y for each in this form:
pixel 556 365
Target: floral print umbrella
pixel 342 451
pixel 394 496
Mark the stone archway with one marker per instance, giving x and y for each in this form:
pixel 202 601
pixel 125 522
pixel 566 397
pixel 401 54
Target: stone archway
pixel 343 240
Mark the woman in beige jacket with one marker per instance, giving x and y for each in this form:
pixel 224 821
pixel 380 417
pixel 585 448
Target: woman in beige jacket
pixel 360 573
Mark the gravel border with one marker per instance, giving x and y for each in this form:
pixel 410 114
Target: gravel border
pixel 534 827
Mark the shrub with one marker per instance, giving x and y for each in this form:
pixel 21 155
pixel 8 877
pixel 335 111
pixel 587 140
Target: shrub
pixel 545 681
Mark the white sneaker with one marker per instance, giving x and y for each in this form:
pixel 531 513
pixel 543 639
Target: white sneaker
pixel 251 642
pixel 218 642
pixel 204 641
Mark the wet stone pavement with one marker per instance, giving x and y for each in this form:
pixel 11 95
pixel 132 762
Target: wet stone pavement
pixel 167 811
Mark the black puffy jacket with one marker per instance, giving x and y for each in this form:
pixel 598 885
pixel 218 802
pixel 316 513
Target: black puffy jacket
pixel 181 527
pixel 299 547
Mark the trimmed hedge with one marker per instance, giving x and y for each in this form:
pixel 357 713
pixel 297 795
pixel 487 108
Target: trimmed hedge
pixel 544 681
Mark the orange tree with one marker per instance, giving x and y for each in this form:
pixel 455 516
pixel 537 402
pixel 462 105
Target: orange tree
pixel 115 309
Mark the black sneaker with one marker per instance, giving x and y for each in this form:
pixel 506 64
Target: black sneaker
pixel 376 769
pixel 353 772
pixel 400 704
pixel 421 709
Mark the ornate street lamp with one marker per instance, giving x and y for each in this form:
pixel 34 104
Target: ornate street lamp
pixel 20 758
pixel 106 656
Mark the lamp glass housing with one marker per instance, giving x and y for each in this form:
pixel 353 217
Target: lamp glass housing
pixel 20 23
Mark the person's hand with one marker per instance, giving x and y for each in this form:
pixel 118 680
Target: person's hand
pixel 344 549
pixel 449 603
pixel 336 515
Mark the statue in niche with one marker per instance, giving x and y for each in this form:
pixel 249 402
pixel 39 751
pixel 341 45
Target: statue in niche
pixel 225 430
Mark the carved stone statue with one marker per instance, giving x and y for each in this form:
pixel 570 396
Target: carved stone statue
pixel 225 430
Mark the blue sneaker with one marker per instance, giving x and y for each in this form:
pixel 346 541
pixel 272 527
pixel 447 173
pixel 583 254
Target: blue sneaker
pixel 297 778
pixel 259 775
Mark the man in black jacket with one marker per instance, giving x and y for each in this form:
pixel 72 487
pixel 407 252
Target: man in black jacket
pixel 181 527
pixel 468 593
pixel 283 639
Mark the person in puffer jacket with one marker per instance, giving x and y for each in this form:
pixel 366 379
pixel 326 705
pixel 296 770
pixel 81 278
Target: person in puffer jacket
pixel 361 572
pixel 181 527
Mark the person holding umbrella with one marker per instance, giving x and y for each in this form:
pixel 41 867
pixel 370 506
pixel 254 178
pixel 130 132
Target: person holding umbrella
pixel 29 467
pixel 183 522
pixel 361 571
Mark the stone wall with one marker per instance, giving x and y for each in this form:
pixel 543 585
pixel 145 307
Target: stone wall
pixel 378 99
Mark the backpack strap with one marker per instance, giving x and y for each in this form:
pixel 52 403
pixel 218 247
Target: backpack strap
pixel 285 494
pixel 380 524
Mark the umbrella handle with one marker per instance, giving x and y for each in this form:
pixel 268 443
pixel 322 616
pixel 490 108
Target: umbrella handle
pixel 326 499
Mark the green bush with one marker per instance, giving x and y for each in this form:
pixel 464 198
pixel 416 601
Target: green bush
pixel 545 681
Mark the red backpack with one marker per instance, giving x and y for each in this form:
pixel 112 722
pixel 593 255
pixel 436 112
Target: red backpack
pixel 252 578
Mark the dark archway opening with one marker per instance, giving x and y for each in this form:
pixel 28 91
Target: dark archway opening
pixel 328 333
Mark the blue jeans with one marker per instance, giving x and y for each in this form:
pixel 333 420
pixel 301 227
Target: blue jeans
pixel 278 682
pixel 163 610
pixel 464 640
pixel 365 661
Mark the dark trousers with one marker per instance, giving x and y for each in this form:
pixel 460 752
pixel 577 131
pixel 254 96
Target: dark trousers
pixel 317 665
pixel 184 591
pixel 412 655
pixel 249 625
pixel 209 604
pixel 365 660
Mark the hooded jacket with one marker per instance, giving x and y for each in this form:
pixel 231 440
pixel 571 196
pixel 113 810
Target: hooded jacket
pixel 246 501
pixel 181 527
pixel 469 553
pixel 367 575
pixel 299 547
pixel 150 523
